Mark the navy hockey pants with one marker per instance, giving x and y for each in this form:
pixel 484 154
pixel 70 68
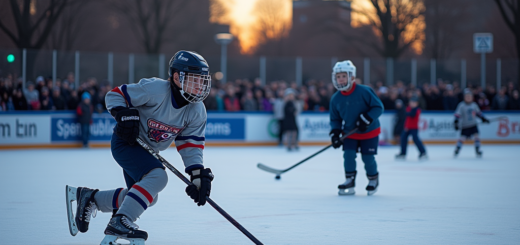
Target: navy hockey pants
pixel 368 149
pixel 134 159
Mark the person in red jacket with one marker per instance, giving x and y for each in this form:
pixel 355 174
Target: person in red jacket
pixel 411 127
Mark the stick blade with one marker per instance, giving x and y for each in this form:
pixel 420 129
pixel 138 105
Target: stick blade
pixel 269 169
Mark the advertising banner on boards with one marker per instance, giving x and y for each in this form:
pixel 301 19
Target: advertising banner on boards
pixel 20 129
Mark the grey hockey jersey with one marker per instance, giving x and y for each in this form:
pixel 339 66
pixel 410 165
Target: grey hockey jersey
pixel 467 114
pixel 160 122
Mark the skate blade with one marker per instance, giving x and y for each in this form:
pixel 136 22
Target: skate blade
pixel 70 193
pixel 347 192
pixel 370 193
pixel 112 240
pixel 400 158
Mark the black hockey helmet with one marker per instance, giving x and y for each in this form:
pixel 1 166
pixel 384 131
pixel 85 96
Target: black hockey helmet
pixel 188 61
pixel 194 75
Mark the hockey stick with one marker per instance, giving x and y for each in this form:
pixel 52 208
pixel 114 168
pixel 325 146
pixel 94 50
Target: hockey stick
pixel 495 119
pixel 278 172
pixel 211 202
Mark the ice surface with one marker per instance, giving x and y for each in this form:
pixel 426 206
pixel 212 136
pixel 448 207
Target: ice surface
pixel 440 201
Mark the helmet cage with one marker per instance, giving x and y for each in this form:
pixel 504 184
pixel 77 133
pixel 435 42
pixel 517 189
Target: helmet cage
pixel 343 87
pixel 194 87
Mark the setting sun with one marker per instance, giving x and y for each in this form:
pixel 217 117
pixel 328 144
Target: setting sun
pixel 244 20
pixel 253 22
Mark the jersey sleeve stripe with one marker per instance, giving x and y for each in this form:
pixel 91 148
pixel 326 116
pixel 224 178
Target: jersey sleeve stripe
pixel 144 192
pixel 184 146
pixel 123 88
pixel 117 90
pixel 191 137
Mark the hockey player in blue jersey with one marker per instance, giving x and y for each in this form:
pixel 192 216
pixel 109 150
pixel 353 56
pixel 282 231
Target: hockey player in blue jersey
pixel 159 112
pixel 355 106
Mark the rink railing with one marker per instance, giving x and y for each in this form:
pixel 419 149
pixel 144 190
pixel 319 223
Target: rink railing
pixel 61 129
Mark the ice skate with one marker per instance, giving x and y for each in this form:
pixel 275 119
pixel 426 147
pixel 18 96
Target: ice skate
pixel 423 156
pixel 400 156
pixel 457 150
pixel 121 227
pixel 373 183
pixel 347 188
pixel 85 208
pixel 479 153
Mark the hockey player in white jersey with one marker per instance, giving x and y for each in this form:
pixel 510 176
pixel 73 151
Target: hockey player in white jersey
pixel 157 111
pixel 466 119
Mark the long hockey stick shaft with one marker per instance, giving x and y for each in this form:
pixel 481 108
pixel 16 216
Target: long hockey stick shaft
pixel 494 119
pixel 497 119
pixel 187 182
pixel 320 151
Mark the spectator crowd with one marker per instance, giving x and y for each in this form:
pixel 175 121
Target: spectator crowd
pixel 43 95
pixel 246 95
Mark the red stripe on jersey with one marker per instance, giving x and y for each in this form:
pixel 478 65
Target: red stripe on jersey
pixel 117 90
pixel 365 136
pixel 189 145
pixel 144 192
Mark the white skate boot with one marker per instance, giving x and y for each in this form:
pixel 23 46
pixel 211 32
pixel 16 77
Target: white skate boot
pixel 373 183
pixel 121 227
pixel 347 188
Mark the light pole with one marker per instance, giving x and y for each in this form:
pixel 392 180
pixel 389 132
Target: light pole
pixel 223 39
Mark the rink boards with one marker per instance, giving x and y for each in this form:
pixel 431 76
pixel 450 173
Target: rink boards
pixel 61 129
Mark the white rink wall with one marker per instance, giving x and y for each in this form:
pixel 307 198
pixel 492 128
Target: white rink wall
pixel 60 129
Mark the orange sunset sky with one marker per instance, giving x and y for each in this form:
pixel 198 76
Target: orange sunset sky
pixel 241 18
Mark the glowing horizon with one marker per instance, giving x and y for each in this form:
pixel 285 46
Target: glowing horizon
pixel 243 23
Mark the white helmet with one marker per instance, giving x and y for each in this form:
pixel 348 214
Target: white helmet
pixel 344 66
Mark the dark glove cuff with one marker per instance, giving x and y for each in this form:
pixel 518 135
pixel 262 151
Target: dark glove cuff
pixel 127 114
pixel 201 173
pixel 335 131
pixel 115 110
pixel 189 169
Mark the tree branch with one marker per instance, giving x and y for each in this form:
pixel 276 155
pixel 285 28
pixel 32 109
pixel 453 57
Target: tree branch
pixel 504 16
pixel 9 33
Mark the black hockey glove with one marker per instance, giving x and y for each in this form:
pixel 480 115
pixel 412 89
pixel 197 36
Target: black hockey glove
pixel 335 139
pixel 456 124
pixel 201 185
pixel 363 122
pixel 127 127
pixel 484 120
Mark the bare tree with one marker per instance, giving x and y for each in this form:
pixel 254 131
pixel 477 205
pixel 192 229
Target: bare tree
pixel 34 21
pixel 272 24
pixel 397 23
pixel 69 26
pixel 150 19
pixel 220 11
pixel 443 35
pixel 510 11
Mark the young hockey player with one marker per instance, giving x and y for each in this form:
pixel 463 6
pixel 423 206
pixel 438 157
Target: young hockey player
pixel 466 114
pixel 158 112
pixel 411 126
pixel 355 106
